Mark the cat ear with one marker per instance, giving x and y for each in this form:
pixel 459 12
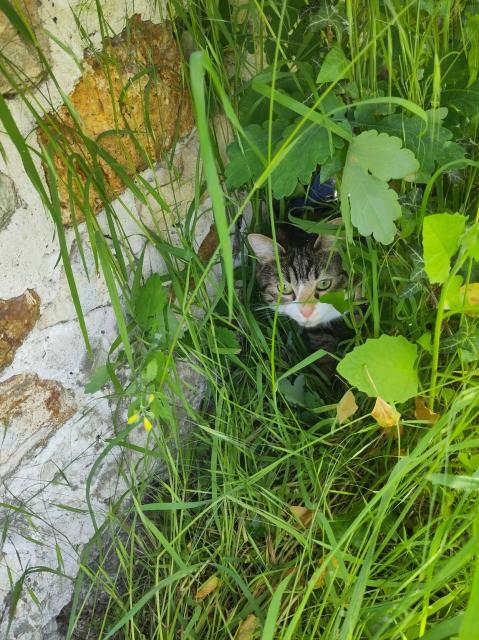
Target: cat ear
pixel 263 247
pixel 325 243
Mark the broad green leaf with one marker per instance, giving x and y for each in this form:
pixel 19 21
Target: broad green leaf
pixel 335 66
pixel 425 341
pixel 333 165
pixel 247 162
pixel 373 205
pixel 441 233
pixel 150 302
pixel 338 299
pixel 470 241
pixel 98 379
pixel 369 112
pixel 310 149
pixel 383 367
pixel 454 299
pixel 311 146
pixel 461 100
pixel 150 372
pixel 382 155
pixel 295 392
pixel 227 341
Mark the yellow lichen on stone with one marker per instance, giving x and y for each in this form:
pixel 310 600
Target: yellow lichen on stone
pixel 131 102
pixel 17 318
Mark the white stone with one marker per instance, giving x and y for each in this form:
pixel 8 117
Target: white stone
pixel 50 470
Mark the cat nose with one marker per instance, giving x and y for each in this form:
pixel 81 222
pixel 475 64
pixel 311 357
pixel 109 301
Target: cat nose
pixel 306 310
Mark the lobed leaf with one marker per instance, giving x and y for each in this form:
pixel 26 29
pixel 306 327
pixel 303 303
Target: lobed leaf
pixel 382 155
pixel 248 161
pixel 366 198
pixel 373 205
pixel 432 144
pixel 310 149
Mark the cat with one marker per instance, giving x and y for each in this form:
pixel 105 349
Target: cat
pixel 311 268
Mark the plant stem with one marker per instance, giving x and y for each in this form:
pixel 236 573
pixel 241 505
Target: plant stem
pixel 436 342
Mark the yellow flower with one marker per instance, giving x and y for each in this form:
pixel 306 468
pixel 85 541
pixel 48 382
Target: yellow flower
pixel 150 398
pixel 134 418
pixel 147 424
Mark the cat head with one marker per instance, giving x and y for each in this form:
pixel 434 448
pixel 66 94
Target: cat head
pixel 310 269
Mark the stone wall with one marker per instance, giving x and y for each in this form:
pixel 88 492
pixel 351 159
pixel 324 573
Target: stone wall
pixel 51 431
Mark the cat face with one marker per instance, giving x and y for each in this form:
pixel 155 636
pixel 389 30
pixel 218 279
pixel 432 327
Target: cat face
pixel 310 270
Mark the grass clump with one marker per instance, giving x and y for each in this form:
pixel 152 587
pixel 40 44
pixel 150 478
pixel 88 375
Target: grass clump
pixel 273 520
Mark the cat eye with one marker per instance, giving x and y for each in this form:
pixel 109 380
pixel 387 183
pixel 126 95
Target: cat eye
pixel 286 289
pixel 322 285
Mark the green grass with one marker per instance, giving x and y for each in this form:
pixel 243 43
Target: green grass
pixel 388 546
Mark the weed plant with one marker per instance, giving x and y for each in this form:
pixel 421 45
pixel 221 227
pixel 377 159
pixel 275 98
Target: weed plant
pixel 272 519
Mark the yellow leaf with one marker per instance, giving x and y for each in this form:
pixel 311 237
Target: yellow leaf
pixel 346 407
pixel 206 588
pixel 248 628
pixel 471 292
pixel 303 514
pixel 322 576
pixel 134 418
pixel 422 412
pixel 147 424
pixel 385 414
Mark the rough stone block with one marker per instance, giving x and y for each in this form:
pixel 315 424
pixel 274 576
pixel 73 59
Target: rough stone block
pixel 131 102
pixel 26 65
pixel 17 318
pixel 30 409
pixel 9 200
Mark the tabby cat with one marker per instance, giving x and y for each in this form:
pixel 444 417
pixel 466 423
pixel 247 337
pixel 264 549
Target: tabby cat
pixel 311 268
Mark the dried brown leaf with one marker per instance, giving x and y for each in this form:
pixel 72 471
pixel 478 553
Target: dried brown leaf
pixel 206 588
pixel 248 628
pixel 346 407
pixel 209 245
pixel 271 550
pixel 422 412
pixel 303 514
pixel 385 414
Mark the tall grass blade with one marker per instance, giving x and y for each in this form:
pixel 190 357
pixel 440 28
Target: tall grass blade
pixel 197 76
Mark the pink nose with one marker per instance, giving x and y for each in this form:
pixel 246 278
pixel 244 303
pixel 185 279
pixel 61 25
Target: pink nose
pixel 307 310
